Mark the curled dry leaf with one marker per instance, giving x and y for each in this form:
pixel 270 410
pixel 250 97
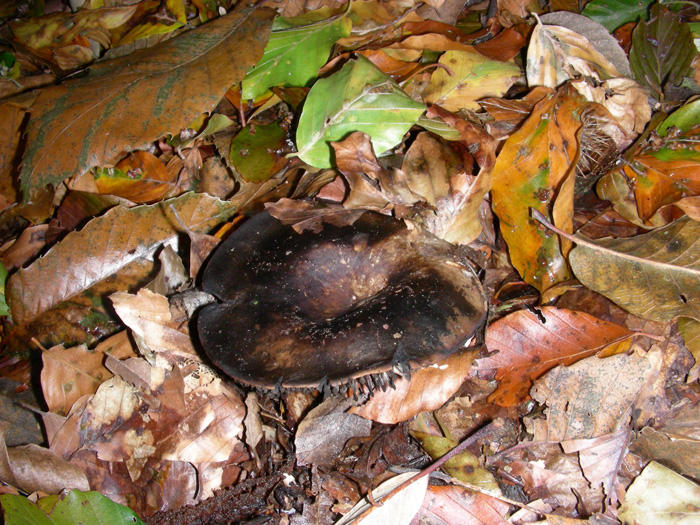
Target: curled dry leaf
pixel 32 468
pixel 523 346
pixel 148 315
pixel 428 389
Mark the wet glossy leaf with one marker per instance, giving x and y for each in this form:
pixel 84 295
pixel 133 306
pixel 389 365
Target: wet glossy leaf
pixel 614 13
pixel 473 77
pixel 684 118
pixel 664 175
pixel 653 275
pixel 257 152
pixel 662 50
pixel 357 98
pixel 525 346
pixel 535 169
pixel 295 52
pixel 140 178
pixel 91 121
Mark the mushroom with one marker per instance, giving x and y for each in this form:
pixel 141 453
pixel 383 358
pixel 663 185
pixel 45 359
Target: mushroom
pixel 352 303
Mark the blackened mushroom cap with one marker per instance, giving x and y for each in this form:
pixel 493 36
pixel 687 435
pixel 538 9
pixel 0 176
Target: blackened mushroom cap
pixel 299 310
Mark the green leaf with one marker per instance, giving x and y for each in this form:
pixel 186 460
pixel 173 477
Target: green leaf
pixel 75 507
pixel 684 118
pixel 662 50
pixel 439 127
pixel 654 275
pixel 613 13
pixel 257 153
pixel 18 510
pixel 293 56
pixel 359 97
pixel 4 309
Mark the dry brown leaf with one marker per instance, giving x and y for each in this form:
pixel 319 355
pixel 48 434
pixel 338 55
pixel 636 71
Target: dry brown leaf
pixel 428 389
pixel 102 114
pixel 148 315
pixel 450 504
pixel 29 243
pixel 33 468
pixel 325 430
pixel 70 373
pixel 528 345
pixel 595 396
pixel 600 459
pixel 303 215
pixel 122 241
pixel 208 434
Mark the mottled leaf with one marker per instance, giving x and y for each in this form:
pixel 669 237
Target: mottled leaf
pixel 471 77
pixel 522 346
pixel 127 103
pixel 535 169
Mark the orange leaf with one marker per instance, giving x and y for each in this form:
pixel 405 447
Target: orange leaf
pixel 527 347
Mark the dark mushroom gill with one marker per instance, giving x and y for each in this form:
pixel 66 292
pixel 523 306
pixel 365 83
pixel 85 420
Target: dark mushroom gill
pixel 297 310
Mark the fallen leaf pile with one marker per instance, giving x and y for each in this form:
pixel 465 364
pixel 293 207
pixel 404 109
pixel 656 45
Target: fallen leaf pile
pixel 557 149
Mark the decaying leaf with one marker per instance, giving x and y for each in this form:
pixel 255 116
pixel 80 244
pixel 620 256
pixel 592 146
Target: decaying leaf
pixel 660 496
pixel 473 77
pixel 653 275
pixel 535 169
pixel 662 50
pixel 102 114
pixel 33 468
pixel 523 346
pixel 593 397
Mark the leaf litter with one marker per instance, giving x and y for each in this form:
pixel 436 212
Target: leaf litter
pixel 556 152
